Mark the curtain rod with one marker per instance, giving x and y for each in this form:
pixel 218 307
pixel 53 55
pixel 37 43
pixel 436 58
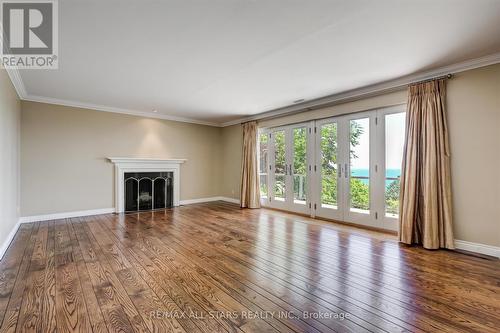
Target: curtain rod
pixel 447 77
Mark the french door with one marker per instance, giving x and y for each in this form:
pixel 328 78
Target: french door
pixel 289 155
pixel 345 168
pixel 346 180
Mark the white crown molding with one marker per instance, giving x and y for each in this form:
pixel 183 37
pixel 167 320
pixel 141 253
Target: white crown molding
pixel 17 81
pixel 372 90
pixel 96 107
pixel 362 92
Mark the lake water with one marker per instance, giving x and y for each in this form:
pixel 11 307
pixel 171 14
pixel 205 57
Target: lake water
pixel 390 173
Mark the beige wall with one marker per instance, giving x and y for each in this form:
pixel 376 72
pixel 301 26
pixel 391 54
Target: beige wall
pixel 232 137
pixel 10 112
pixel 473 101
pixel 64 150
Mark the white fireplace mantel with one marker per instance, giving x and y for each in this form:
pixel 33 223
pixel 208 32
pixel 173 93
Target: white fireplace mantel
pixel 130 164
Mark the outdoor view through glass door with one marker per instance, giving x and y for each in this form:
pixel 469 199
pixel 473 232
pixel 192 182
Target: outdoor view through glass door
pixel 286 184
pixel 344 168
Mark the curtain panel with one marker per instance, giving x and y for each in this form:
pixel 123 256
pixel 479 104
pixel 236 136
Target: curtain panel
pixel 250 192
pixel 425 215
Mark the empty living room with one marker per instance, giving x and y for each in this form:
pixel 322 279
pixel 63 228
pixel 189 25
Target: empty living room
pixel 249 166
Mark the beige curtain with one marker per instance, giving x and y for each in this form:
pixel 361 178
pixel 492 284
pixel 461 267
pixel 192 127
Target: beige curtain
pixel 250 193
pixel 425 215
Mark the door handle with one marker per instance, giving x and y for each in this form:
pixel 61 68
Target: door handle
pixel 339 166
pixel 291 170
pixel 345 170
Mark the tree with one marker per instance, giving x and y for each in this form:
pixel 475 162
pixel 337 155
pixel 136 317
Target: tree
pixel 329 149
pixel 392 197
pixel 279 164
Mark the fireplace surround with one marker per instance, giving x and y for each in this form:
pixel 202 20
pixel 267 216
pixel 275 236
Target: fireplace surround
pixel 144 168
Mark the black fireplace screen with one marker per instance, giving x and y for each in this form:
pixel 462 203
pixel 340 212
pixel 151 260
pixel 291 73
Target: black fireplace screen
pixel 148 190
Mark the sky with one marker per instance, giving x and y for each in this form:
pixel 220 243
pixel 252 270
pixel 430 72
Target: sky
pixel 394 131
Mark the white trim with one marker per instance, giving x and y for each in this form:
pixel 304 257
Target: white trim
pixel 146 160
pixel 231 200
pixel 17 82
pixel 371 90
pixel 105 108
pixel 15 75
pixel 65 215
pixel 9 239
pixel 199 200
pixel 209 199
pixel 126 164
pixel 489 250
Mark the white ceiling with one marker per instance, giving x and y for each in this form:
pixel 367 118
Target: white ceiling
pixel 220 60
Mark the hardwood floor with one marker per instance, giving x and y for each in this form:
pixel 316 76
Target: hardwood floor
pixel 216 268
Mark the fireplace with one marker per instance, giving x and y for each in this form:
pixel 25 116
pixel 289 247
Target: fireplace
pixel 148 190
pixel 146 184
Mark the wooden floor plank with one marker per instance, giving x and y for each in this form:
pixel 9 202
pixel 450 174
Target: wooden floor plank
pixel 71 310
pixel 31 309
pixel 96 318
pixel 11 317
pixel 462 315
pixel 261 303
pixel 384 305
pixel 118 310
pixel 217 268
pixel 48 316
pixel 143 298
pixel 10 265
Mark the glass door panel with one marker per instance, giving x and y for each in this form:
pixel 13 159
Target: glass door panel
pixel 394 135
pixel 263 163
pixel 329 166
pixel 328 184
pixel 299 169
pixel 280 166
pixel 359 165
pixel 360 172
pixel 298 197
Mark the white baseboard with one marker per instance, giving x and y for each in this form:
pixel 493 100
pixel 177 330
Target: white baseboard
pixel 210 199
pixel 65 215
pixel 489 250
pixel 9 239
pixel 199 200
pixel 232 200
